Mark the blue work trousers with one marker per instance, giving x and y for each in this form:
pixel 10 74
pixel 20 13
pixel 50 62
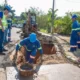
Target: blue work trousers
pixel 1 40
pixel 30 53
pixel 73 41
pixel 5 35
pixel 9 34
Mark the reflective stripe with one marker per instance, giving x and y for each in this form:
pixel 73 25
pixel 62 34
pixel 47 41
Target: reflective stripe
pixel 73 46
pixel 40 48
pixel 0 27
pixel 19 45
pixel 78 41
pixel 75 29
pixel 27 49
pixel 32 57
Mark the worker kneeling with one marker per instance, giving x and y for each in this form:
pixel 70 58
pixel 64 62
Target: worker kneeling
pixel 32 44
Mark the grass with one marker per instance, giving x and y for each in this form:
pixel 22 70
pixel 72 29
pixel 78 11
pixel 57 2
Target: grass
pixel 43 30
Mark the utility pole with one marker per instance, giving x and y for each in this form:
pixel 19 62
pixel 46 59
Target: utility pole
pixel 5 2
pixel 52 16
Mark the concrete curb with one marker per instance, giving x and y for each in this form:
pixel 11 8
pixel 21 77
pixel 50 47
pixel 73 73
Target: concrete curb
pixel 66 53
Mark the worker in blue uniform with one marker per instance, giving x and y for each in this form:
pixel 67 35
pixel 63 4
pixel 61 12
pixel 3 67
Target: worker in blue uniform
pixel 32 44
pixel 74 33
pixel 3 26
pixel 9 29
pixel 78 40
pixel 6 30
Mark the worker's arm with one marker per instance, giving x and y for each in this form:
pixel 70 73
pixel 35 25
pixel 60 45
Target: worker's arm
pixel 22 43
pixel 39 47
pixel 1 15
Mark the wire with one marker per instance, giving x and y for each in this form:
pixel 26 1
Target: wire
pixel 72 1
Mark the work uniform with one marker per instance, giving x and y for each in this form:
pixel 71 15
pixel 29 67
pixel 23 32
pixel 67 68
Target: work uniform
pixel 9 29
pixel 4 23
pixel 78 39
pixel 74 36
pixel 31 48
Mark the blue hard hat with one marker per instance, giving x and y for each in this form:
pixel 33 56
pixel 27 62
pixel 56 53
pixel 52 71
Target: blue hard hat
pixel 32 37
pixel 74 16
pixel 8 8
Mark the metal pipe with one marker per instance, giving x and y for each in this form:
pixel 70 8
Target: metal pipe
pixel 5 2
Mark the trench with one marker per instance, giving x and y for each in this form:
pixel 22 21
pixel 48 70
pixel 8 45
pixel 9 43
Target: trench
pixel 50 55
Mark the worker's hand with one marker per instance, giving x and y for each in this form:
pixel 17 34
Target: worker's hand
pixel 3 29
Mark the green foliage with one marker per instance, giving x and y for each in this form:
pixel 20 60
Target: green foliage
pixel 62 25
pixel 43 30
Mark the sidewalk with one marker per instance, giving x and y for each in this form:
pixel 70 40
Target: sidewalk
pixel 63 42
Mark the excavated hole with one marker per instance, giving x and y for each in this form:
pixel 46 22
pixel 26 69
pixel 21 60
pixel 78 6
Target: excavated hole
pixel 50 55
pixel 48 51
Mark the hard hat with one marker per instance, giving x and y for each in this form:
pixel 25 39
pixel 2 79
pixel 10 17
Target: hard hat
pixel 32 37
pixel 74 16
pixel 8 8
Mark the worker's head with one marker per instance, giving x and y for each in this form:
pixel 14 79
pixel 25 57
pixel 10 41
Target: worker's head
pixel 74 17
pixel 7 9
pixel 32 37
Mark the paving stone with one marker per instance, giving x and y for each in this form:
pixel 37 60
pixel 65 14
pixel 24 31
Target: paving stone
pixel 2 74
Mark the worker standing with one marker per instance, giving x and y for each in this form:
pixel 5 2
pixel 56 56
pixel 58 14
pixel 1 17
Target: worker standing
pixel 3 26
pixel 74 34
pixel 9 27
pixel 32 44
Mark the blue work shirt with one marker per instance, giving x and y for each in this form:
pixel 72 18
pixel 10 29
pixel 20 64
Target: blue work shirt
pixel 30 46
pixel 1 14
pixel 75 26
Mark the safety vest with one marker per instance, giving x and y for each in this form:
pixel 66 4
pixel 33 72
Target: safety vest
pixel 4 22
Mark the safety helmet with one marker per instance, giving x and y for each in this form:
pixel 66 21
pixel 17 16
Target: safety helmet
pixel 8 8
pixel 32 37
pixel 74 16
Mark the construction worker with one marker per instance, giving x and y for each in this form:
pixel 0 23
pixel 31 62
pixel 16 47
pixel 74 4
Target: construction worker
pixel 3 26
pixel 74 34
pixel 32 44
pixel 9 28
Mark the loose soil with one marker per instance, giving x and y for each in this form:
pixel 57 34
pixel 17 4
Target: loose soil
pixel 50 55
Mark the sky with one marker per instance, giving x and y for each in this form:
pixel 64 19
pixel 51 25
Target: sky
pixel 63 6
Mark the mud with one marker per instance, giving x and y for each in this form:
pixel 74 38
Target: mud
pixel 26 67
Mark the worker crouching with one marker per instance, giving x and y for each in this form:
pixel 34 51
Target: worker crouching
pixel 31 44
